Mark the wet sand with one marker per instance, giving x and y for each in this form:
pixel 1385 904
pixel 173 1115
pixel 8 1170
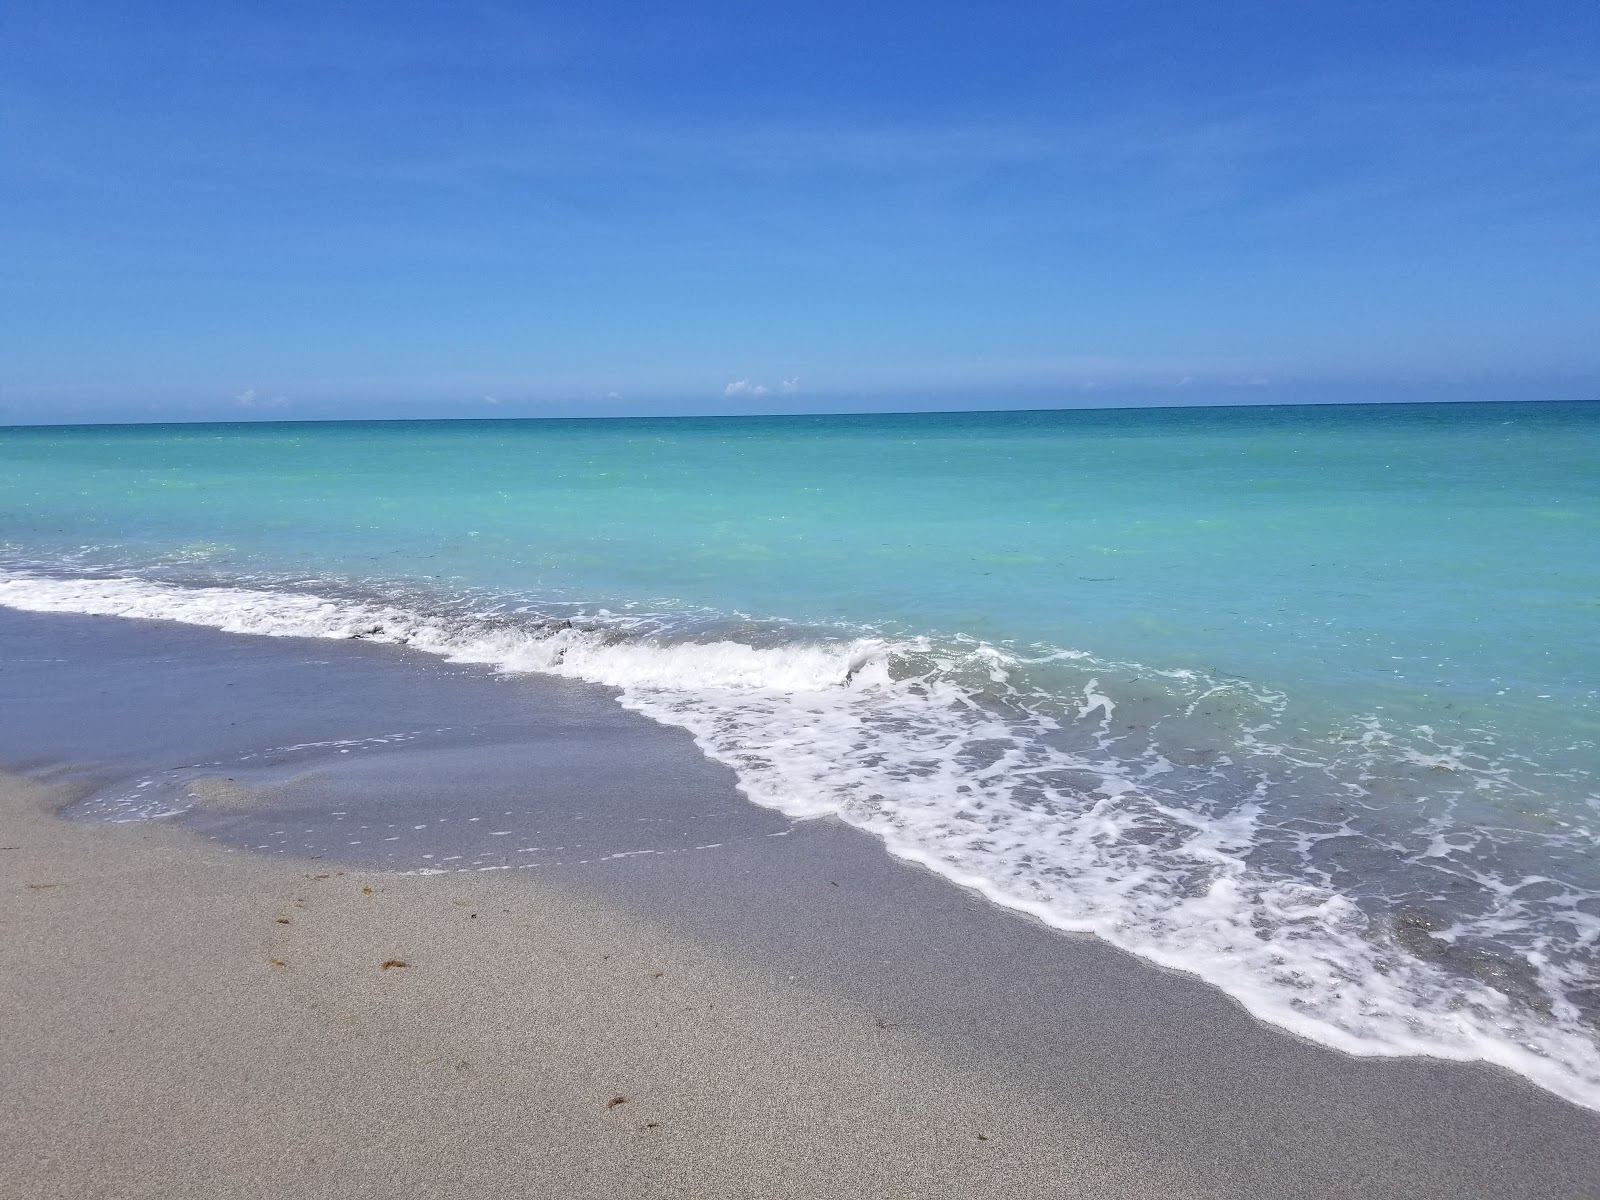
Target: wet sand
pixel 183 1021
pixel 785 1010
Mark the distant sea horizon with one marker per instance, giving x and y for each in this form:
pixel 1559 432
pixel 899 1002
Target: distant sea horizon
pixel 280 410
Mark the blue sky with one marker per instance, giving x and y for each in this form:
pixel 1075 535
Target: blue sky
pixel 302 210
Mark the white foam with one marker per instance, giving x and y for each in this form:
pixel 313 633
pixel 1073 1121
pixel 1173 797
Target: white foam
pixel 988 797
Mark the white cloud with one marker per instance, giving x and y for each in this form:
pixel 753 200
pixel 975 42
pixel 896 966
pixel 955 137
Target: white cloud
pixel 790 386
pixel 743 387
pixel 250 398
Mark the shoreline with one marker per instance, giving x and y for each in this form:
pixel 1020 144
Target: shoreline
pixel 829 1020
pixel 1184 879
pixel 170 1035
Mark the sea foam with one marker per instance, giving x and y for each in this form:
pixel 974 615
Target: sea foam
pixel 925 746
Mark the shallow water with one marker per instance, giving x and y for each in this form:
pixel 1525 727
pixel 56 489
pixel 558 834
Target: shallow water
pixel 1303 700
pixel 354 753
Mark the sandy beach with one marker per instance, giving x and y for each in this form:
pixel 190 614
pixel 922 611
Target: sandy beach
pixel 186 1021
pixel 783 1009
pixel 880 600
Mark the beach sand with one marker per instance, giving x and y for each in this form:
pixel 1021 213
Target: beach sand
pixel 795 1015
pixel 185 1021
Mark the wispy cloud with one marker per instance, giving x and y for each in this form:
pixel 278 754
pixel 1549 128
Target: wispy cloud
pixel 250 398
pixel 743 387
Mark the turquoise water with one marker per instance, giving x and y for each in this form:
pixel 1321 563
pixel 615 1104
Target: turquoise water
pixel 1141 672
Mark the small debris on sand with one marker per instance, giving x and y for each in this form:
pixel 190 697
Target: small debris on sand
pixel 393 962
pixel 616 1100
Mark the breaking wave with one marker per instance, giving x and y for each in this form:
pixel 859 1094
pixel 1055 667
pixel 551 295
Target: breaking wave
pixel 1094 807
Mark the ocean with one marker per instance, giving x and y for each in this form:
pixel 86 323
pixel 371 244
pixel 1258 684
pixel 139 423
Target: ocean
pixel 1302 700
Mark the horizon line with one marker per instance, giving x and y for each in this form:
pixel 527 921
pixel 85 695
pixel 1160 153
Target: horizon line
pixel 781 416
